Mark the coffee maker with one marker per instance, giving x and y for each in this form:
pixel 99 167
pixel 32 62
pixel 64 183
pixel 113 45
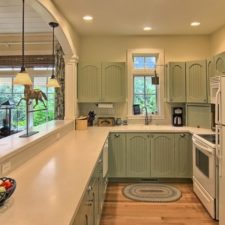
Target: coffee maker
pixel 177 118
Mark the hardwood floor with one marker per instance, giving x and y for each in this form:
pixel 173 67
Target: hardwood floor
pixel 119 210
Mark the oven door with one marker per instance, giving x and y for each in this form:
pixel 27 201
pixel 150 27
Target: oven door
pixel 204 167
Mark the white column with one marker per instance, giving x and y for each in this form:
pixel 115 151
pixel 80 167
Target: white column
pixel 71 109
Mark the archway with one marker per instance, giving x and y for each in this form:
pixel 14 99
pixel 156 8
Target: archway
pixel 69 42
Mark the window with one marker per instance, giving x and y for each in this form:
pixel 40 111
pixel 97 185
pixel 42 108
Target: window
pixel 142 64
pixel 145 93
pixel 8 91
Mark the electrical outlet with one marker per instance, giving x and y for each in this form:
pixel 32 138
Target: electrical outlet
pixel 6 167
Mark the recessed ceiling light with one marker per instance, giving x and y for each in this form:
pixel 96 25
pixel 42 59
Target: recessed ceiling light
pixel 195 24
pixel 147 28
pixel 87 18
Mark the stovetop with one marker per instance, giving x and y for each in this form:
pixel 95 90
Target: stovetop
pixel 209 137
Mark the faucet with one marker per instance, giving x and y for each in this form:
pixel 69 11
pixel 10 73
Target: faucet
pixel 147 120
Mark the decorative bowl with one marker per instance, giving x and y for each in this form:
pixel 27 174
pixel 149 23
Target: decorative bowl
pixel 9 190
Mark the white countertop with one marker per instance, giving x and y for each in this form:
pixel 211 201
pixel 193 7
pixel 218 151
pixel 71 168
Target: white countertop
pixel 51 184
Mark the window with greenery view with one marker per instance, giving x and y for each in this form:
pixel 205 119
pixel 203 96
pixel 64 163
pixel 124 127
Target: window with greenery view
pixel 8 91
pixel 145 93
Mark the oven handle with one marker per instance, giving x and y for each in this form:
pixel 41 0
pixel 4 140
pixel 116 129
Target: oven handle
pixel 204 148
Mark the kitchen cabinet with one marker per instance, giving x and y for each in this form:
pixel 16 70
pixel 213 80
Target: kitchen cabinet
pixel 150 155
pixel 219 61
pixel 210 73
pixel 117 155
pixel 162 155
pixel 183 155
pixel 89 82
pixel 198 115
pixel 138 155
pixel 196 82
pixel 101 82
pixel 176 83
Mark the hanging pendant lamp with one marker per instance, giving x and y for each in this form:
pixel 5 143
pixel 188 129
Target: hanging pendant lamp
pixel 53 82
pixel 22 77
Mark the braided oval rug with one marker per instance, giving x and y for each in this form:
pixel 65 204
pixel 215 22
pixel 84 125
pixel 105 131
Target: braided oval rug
pixel 149 192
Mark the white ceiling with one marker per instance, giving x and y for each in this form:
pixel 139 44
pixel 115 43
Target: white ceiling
pixel 127 17
pixel 121 17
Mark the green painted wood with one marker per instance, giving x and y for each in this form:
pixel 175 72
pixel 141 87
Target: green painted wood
pixel 176 82
pixel 89 82
pixel 113 82
pixel 198 115
pixel 219 61
pixel 196 82
pixel 210 73
pixel 117 155
pixel 138 155
pixel 183 155
pixel 162 155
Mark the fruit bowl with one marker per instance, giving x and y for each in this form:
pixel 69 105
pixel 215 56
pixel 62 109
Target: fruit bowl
pixel 7 187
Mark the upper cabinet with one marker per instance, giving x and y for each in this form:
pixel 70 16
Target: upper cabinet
pixel 113 82
pixel 176 82
pixel 196 82
pixel 89 82
pixel 101 82
pixel 219 64
pixel 210 73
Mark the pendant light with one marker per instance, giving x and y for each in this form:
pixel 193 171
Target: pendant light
pixel 22 77
pixel 53 82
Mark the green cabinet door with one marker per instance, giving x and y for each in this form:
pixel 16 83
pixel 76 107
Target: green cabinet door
pixel 196 82
pixel 219 60
pixel 162 155
pixel 138 155
pixel 210 73
pixel 198 115
pixel 183 155
pixel 176 82
pixel 113 82
pixel 117 155
pixel 89 82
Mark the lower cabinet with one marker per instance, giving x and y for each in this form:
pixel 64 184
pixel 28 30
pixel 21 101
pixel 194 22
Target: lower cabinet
pixel 150 155
pixel 89 212
pixel 162 155
pixel 117 155
pixel 138 155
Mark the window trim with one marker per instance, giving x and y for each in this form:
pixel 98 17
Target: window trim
pixel 159 53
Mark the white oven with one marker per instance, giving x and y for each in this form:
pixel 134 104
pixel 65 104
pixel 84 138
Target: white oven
pixel 204 173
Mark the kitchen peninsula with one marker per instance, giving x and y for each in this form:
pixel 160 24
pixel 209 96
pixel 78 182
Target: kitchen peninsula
pixel 51 185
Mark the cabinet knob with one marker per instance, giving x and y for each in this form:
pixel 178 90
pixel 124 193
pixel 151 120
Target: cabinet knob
pixel 90 188
pixel 182 135
pixel 100 161
pixel 89 203
pixel 116 135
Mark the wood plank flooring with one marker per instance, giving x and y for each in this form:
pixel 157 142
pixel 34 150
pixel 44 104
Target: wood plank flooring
pixel 118 210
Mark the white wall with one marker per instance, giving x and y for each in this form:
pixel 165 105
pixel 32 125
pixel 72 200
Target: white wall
pixel 217 41
pixel 110 48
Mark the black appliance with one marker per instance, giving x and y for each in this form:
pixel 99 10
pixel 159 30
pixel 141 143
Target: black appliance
pixel 177 118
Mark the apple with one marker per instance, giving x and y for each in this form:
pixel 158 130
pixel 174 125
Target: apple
pixel 6 184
